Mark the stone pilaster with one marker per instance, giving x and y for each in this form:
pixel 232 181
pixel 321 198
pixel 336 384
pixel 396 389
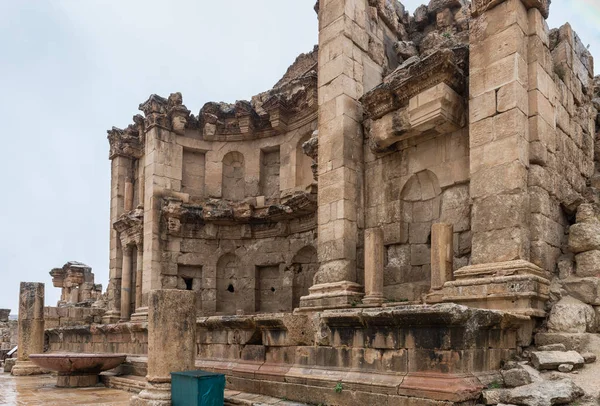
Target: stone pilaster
pixel 30 328
pixel 499 141
pixel 126 283
pixel 343 50
pixel 501 275
pixel 374 257
pixel 172 320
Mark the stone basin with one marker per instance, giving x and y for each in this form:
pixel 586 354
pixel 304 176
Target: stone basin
pixel 77 370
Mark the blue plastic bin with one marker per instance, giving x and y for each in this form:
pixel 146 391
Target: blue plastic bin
pixel 197 388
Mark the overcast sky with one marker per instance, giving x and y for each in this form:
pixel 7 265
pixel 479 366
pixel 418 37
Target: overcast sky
pixel 71 69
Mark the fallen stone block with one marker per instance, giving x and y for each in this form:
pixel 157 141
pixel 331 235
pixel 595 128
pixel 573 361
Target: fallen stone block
pixel 548 360
pixel 565 368
pixel 520 376
pixel 589 357
pixel 545 393
pixel 570 315
pixel 516 377
pixel 576 342
pixel 584 237
pixel 585 289
pixel 552 347
pixel 492 396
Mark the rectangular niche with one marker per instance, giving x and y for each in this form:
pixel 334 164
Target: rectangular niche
pixel 193 173
pixel 269 173
pixel 189 277
pixel 268 289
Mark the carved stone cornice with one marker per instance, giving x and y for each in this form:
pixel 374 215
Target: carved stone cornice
pixel 126 142
pixel 155 112
pixel 130 227
pixel 480 6
pixel 269 114
pixel 444 66
pixel 294 205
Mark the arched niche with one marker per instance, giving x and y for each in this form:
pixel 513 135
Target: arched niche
pixel 407 272
pixel 233 182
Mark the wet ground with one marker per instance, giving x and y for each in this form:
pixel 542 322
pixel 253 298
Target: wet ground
pixel 41 390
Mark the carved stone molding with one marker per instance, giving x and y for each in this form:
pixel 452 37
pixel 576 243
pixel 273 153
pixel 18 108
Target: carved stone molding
pixel 290 105
pixel 130 227
pixel 480 6
pixel 296 205
pixel 126 142
pixel 444 66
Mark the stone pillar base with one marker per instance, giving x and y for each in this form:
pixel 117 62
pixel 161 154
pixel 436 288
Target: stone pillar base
pixel 111 317
pixel 373 299
pixel 76 380
pixel 518 287
pixel 155 394
pixel 141 314
pixel 24 368
pixel 332 296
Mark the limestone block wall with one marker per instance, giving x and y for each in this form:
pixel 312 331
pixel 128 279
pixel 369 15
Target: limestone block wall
pixel 124 338
pixel 408 191
pixel 8 332
pixel 233 275
pixel 72 316
pixel 562 134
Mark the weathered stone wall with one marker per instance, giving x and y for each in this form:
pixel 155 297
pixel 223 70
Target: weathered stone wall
pixel 416 187
pixel 72 316
pixel 8 332
pixel 122 338
pixel 234 271
pixel 562 132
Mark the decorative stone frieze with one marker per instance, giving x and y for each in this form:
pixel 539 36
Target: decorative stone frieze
pixel 130 227
pixel 125 143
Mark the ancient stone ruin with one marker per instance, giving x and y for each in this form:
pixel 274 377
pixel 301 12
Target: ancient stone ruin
pixel 411 216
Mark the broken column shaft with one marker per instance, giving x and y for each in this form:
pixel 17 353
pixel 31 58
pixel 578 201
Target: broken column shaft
pixel 374 257
pixel 31 328
pixel 171 342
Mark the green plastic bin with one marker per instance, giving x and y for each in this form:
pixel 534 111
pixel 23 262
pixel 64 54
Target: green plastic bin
pixel 197 388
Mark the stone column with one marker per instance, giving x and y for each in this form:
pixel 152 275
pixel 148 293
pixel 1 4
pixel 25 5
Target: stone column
pixel 120 168
pixel 171 343
pixel 345 65
pixel 126 283
pixel 31 328
pixel 138 276
pixel 374 257
pixel 442 254
pixel 128 194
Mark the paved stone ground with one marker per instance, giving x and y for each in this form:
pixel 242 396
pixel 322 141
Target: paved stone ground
pixel 41 390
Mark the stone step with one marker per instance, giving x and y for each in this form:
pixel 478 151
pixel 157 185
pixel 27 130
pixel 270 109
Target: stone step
pixel 135 384
pixel 235 398
pixel 129 383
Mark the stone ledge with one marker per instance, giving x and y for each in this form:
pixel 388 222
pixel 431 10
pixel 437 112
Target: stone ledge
pixel 480 6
